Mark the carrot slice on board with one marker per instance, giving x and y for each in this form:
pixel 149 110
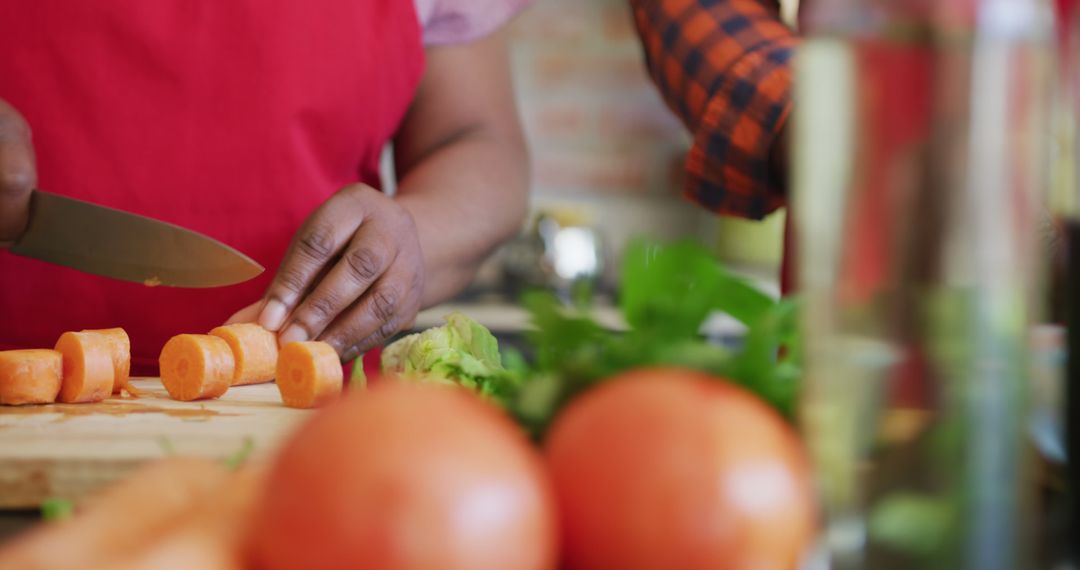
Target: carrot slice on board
pixel 308 374
pixel 254 349
pixel 30 376
pixel 196 366
pixel 88 367
pixel 121 355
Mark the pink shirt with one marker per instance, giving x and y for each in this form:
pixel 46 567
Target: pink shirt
pixel 459 21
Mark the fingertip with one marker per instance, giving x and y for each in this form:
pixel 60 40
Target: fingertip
pixel 272 315
pixel 294 333
pixel 350 354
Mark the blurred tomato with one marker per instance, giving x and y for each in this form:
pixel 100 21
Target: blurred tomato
pixel 669 468
pixel 407 477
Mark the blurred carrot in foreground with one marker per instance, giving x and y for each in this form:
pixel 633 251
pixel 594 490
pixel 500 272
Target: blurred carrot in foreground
pixel 110 526
pixel 209 537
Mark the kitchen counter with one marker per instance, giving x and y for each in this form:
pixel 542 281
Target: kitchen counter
pixel 503 317
pixel 496 311
pixel 506 318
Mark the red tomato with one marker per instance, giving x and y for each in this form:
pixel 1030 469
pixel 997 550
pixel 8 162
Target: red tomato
pixel 668 468
pixel 407 477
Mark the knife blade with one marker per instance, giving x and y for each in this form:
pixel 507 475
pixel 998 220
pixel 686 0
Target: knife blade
pixel 121 245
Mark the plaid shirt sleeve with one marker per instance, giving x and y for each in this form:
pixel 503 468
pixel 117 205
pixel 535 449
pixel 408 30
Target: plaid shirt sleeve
pixel 723 67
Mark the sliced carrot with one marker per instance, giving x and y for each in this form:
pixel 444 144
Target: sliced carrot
pixel 30 376
pixel 308 374
pixel 121 355
pixel 196 366
pixel 120 520
pixel 88 367
pixel 255 351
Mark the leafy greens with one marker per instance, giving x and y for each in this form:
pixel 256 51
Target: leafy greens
pixel 667 293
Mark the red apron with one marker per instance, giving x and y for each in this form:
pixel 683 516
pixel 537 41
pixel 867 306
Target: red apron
pixel 235 118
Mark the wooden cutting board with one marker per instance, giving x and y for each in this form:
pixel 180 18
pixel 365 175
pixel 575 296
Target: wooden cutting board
pixel 70 450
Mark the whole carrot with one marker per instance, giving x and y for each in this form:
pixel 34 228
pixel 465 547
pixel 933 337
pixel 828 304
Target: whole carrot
pixel 122 519
pixel 210 537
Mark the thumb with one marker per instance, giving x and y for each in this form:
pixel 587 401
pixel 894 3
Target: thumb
pixel 248 314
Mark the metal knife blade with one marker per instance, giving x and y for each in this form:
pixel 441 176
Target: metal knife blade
pixel 121 245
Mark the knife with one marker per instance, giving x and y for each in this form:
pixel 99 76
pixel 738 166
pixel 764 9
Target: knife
pixel 117 244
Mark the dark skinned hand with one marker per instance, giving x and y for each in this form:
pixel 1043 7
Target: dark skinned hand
pixel 352 277
pixel 18 175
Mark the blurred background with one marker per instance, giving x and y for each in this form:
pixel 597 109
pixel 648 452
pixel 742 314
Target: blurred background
pixel 607 154
pixel 607 166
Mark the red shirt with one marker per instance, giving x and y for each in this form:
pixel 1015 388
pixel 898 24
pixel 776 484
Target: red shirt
pixel 235 119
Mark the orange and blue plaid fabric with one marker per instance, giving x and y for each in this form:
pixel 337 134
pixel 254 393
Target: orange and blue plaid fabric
pixel 724 67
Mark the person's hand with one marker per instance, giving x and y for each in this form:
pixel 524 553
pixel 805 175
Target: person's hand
pixel 353 275
pixel 18 176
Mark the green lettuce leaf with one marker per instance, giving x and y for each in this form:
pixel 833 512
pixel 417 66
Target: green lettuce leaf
pixel 462 352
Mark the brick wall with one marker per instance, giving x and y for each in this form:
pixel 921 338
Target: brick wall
pixel 594 121
pixel 603 143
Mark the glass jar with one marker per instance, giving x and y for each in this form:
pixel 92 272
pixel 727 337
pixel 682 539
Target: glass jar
pixel 919 144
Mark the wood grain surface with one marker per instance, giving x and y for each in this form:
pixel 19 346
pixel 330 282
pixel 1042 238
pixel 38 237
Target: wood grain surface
pixel 69 450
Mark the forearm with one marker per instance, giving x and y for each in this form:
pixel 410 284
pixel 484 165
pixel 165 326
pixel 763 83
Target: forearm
pixel 466 198
pixel 462 163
